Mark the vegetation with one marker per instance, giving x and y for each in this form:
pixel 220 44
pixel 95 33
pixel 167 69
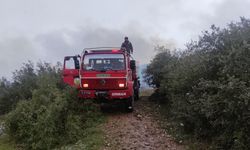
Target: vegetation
pixel 206 87
pixel 43 113
pixel 6 143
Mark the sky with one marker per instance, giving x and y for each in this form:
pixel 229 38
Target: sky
pixel 48 30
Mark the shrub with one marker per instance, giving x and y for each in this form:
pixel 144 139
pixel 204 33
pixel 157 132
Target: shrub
pixel 207 85
pixel 52 115
pixel 24 81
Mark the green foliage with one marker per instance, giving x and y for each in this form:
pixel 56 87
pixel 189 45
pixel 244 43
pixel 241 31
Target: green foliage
pixel 207 86
pixel 5 102
pixel 6 143
pixel 24 81
pixel 48 114
pixel 155 71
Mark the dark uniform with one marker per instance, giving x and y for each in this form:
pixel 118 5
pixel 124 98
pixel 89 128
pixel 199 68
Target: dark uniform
pixel 127 45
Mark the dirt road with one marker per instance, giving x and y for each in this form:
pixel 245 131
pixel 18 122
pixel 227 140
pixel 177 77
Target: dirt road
pixel 137 131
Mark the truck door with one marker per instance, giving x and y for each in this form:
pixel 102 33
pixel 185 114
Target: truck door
pixel 71 69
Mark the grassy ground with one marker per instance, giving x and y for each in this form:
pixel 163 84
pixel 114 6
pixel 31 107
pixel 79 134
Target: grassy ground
pixel 6 143
pixel 91 140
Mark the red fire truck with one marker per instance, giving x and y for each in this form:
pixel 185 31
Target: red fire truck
pixel 105 74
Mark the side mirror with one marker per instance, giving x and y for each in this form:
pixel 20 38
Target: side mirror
pixel 77 64
pixel 132 64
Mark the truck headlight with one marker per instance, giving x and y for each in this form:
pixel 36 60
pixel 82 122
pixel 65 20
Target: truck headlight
pixel 121 85
pixel 85 85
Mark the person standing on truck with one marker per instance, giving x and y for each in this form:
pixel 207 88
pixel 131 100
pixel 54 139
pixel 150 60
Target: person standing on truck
pixel 127 45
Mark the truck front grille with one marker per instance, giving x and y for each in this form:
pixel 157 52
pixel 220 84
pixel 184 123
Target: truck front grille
pixel 103 84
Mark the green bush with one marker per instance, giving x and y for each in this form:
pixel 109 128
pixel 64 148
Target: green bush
pixel 52 115
pixel 207 86
pixel 24 81
pixel 44 121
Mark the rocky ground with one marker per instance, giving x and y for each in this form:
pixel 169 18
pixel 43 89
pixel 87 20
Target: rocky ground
pixel 139 130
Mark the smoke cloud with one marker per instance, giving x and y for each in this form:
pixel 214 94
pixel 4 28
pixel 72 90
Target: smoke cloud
pixel 49 30
pixel 53 46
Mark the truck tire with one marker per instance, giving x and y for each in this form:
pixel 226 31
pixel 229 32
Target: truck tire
pixel 136 89
pixel 130 104
pixel 136 95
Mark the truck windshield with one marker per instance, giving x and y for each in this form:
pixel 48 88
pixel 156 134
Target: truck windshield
pixel 103 62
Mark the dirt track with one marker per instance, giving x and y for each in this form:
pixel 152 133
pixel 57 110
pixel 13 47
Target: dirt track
pixel 137 131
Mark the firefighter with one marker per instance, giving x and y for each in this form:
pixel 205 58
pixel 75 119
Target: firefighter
pixel 127 45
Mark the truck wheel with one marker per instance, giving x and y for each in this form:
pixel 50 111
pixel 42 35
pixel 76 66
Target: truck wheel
pixel 130 104
pixel 136 95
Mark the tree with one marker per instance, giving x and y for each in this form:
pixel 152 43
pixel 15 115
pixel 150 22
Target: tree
pixel 207 85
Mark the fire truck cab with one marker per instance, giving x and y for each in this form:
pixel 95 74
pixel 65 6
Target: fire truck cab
pixel 105 74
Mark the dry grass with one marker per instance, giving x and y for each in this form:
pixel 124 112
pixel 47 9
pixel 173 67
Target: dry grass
pixel 146 92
